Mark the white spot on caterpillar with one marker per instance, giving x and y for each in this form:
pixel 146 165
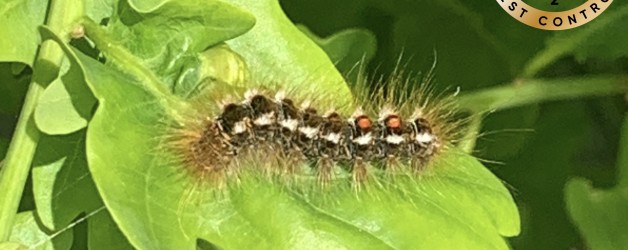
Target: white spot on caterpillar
pixel 265 119
pixel 364 139
pixel 424 138
pixel 333 137
pixel 290 124
pixel 309 132
pixel 239 127
pixel 395 139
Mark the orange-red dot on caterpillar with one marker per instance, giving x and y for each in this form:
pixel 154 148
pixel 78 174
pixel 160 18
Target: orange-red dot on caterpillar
pixel 363 122
pixel 393 122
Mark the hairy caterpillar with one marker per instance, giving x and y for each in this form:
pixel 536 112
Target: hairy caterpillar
pixel 389 131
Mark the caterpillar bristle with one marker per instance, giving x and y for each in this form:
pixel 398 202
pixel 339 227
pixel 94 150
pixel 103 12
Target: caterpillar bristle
pixel 203 150
pixel 399 126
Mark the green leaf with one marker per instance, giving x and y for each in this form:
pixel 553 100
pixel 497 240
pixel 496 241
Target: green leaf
pixel 28 232
pixel 60 175
pixel 4 144
pixel 460 204
pixel 276 49
pixel 18 28
pixel 216 65
pixel 66 104
pixel 104 234
pixel 346 48
pixel 146 5
pixel 63 190
pixel 12 246
pixel 98 10
pixel 599 214
pixel 168 36
pixel 12 89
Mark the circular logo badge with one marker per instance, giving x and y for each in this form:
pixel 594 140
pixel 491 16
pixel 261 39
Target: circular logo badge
pixel 560 20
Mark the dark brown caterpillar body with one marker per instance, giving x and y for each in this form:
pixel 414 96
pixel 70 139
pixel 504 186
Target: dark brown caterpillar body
pixel 261 123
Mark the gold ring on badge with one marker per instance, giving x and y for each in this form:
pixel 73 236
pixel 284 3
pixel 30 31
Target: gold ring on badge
pixel 560 20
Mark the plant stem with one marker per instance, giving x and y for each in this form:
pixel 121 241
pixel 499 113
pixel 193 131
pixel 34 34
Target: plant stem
pixel 18 161
pixel 26 136
pixel 531 91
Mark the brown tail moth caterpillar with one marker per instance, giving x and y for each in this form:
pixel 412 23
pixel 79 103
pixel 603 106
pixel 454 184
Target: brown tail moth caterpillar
pixel 281 132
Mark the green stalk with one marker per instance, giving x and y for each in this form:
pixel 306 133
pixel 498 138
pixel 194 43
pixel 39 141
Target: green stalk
pixel 26 136
pixel 532 91
pixel 18 161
